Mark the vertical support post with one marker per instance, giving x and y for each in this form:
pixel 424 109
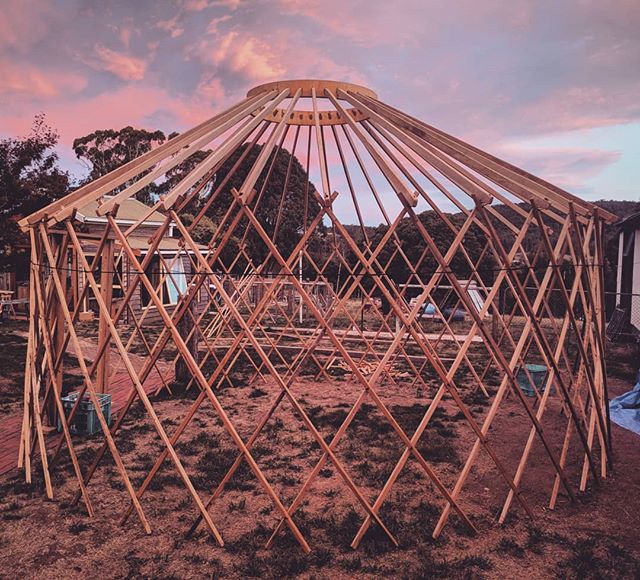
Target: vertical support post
pixel 599 274
pixel 106 291
pixel 300 278
pixel 497 313
pixel 190 336
pixel 75 280
pixel 56 323
pixel 60 328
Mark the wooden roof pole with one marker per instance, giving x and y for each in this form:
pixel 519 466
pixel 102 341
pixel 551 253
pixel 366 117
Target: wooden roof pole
pixel 160 170
pixel 265 152
pixel 220 153
pixel 228 176
pixel 457 175
pixel 448 168
pixel 390 174
pixel 427 150
pixel 483 162
pixel 64 207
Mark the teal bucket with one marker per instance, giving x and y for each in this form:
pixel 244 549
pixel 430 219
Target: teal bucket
pixel 538 375
pixel 85 421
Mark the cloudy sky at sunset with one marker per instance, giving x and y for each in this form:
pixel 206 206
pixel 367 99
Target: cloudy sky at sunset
pixel 553 86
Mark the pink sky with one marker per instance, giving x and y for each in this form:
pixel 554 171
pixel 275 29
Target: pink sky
pixel 552 86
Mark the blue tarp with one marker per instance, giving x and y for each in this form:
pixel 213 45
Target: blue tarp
pixel 625 409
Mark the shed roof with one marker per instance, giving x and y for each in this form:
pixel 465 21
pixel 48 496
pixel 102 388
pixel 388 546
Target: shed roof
pixel 140 244
pixel 166 244
pixel 130 210
pixel 630 222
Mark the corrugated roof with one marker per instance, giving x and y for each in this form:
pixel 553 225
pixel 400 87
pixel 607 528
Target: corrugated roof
pixel 130 210
pixel 630 222
pixel 141 244
pixel 166 244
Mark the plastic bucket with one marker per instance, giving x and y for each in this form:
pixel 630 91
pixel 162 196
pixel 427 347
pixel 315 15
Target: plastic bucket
pixel 85 421
pixel 538 376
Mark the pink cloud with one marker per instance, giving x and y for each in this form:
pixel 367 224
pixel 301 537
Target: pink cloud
pixel 126 32
pixel 211 90
pixel 125 37
pixel 195 5
pixel 124 66
pixel 581 107
pixel 130 105
pixel 23 22
pixel 568 167
pixel 365 22
pixel 175 26
pixel 172 26
pixel 486 71
pixel 212 27
pixel 242 54
pixel 255 60
pixel 26 80
pixel 303 61
pixel 230 4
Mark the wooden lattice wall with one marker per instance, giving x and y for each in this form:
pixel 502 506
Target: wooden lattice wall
pixel 538 276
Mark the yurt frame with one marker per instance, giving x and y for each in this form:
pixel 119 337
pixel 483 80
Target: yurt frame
pixel 394 152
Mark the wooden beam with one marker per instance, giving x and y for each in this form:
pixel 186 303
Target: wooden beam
pixel 107 267
pixel 66 206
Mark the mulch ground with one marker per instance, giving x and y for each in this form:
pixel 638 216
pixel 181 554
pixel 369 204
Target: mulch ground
pixel 596 536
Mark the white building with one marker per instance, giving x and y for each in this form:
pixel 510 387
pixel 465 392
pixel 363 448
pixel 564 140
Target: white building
pixel 628 287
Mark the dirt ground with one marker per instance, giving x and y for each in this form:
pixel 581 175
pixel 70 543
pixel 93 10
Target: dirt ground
pixel 597 536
